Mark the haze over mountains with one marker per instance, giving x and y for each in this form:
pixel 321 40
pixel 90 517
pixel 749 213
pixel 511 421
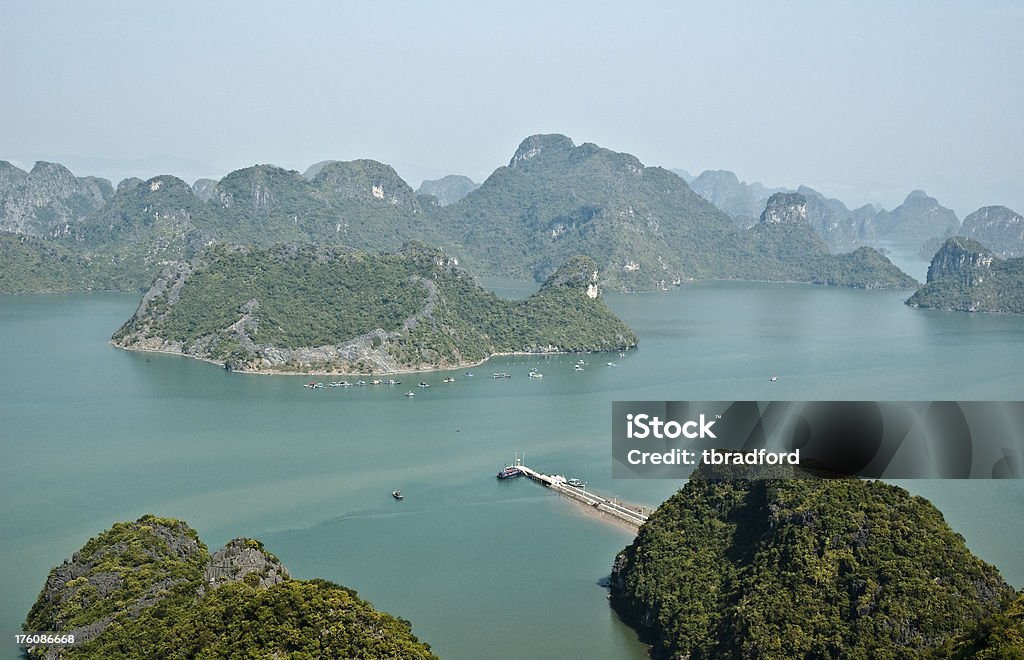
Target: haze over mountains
pixel 645 227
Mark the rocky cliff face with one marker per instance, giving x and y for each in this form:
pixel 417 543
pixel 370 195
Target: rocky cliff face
pixel 785 209
pixel 963 259
pixel 117 575
pixel 998 228
pixel 49 200
pixel 965 276
pixel 244 560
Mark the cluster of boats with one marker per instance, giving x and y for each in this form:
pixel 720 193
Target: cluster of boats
pixel 534 373
pixel 358 383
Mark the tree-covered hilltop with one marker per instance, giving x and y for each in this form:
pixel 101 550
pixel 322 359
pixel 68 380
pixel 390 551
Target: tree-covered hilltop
pixel 804 568
pixel 306 309
pixel 151 589
pixel 644 226
pixel 965 276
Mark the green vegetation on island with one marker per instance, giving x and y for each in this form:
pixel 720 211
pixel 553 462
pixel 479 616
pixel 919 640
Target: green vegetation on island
pixel 806 568
pixel 643 226
pixel 308 309
pixel 150 589
pixel 965 276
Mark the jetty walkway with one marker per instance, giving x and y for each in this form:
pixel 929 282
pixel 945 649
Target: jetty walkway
pixel 630 514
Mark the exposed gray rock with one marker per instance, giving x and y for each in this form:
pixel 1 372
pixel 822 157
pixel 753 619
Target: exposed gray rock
pixel 998 228
pixel 961 258
pixel 239 559
pixel 785 209
pixel 48 201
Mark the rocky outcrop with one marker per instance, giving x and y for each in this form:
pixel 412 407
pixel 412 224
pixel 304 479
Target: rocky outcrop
pixel 785 209
pixel 962 259
pixel 965 276
pixel 48 201
pixel 997 228
pixel 742 201
pixel 244 560
pixel 150 589
pixel 448 189
pixel 117 566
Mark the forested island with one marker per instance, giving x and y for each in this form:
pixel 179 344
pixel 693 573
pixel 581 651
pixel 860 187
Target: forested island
pixel 152 589
pixel 966 276
pixel 783 568
pixel 309 309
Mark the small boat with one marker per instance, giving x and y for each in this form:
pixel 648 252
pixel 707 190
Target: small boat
pixel 577 368
pixel 397 494
pixel 376 382
pixel 360 383
pixel 319 386
pixel 611 364
pixel 536 374
pixel 509 472
pixel 449 379
pixel 310 385
pixel 501 374
pixel 410 393
pixel 422 384
pixel 575 483
pixel 775 379
pixel 392 381
pixel 469 374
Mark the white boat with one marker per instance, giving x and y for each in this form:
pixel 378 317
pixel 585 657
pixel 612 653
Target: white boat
pixel 775 379
pixel 536 374
pixel 410 393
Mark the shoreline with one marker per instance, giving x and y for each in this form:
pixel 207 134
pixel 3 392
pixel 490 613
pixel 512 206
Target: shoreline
pixel 265 372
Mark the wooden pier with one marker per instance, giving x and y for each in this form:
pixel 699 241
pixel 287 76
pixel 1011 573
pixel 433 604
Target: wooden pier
pixel 632 515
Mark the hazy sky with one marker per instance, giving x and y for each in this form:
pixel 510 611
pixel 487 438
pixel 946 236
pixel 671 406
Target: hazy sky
pixel 861 100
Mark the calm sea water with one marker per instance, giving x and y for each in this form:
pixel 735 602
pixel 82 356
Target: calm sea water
pixel 92 435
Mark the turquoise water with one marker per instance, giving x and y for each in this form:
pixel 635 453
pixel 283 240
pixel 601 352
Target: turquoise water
pixel 93 435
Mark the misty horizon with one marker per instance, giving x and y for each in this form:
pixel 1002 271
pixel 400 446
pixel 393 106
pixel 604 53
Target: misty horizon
pixel 864 103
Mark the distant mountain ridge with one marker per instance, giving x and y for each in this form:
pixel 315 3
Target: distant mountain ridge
pixel 998 228
pixel 919 218
pixel 448 189
pixel 644 226
pixel 48 200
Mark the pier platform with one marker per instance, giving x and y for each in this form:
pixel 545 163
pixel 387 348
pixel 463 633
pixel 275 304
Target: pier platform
pixel 630 514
